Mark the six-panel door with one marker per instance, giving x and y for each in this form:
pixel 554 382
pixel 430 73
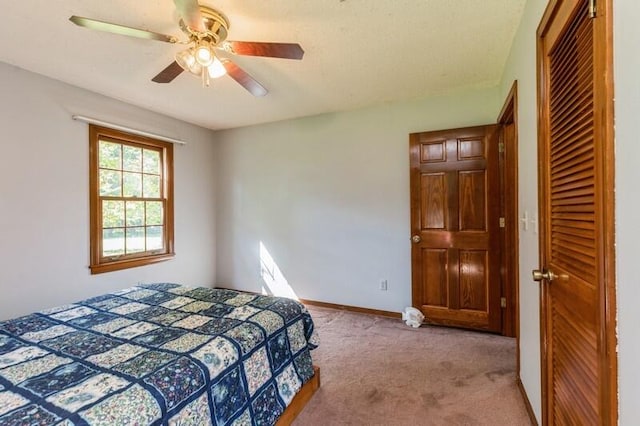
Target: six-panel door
pixel 455 208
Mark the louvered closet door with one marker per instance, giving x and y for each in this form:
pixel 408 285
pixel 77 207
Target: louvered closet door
pixel 572 221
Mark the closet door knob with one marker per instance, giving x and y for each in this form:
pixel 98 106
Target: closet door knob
pixel 539 275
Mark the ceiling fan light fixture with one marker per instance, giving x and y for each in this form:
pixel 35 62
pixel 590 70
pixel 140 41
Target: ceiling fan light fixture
pixel 204 54
pixel 187 60
pixel 216 69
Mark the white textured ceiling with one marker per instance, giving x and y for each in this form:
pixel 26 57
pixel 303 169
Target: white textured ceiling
pixel 357 53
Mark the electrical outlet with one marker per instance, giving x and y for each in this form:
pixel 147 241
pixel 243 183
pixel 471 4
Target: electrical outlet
pixel 383 285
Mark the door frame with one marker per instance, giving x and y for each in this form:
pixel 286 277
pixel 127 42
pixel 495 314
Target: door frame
pixel 605 157
pixel 509 259
pixel 510 274
pixel 509 206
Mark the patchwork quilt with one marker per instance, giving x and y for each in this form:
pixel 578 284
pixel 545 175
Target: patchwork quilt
pixel 156 354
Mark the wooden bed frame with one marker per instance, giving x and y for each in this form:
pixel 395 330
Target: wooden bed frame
pixel 300 400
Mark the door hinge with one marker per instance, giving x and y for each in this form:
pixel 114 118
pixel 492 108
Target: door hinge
pixel 501 147
pixel 592 9
pixel 503 302
pixel 502 222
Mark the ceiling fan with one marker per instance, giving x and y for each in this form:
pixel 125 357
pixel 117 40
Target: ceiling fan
pixel 206 30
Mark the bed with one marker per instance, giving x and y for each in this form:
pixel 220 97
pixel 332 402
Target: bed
pixel 159 354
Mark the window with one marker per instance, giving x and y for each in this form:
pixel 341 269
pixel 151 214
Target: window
pixel 131 200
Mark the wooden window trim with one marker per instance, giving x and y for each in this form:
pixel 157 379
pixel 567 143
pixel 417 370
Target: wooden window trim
pixel 99 264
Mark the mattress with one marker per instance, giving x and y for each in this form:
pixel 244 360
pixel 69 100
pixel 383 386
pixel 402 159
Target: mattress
pixel 156 354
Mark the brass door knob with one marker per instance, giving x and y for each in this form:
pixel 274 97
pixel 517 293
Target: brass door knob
pixel 416 239
pixel 539 275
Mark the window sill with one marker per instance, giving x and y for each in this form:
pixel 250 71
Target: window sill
pixel 118 265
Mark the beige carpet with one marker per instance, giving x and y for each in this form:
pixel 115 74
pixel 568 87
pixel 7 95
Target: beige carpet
pixel 378 371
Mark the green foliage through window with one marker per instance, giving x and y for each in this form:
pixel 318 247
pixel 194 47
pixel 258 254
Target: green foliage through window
pixel 130 187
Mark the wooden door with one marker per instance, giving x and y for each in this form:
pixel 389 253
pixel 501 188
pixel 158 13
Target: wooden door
pixel 455 207
pixel 576 215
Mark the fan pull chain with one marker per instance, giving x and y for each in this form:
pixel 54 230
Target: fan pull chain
pixel 205 77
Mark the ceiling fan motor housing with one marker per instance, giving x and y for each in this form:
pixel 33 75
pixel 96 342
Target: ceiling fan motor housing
pixel 216 24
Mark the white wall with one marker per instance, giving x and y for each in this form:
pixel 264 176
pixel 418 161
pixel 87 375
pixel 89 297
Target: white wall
pixel 627 110
pixel 521 66
pixel 44 195
pixel 328 197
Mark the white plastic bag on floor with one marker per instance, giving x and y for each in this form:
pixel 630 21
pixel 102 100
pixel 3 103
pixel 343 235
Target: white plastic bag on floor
pixel 412 317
